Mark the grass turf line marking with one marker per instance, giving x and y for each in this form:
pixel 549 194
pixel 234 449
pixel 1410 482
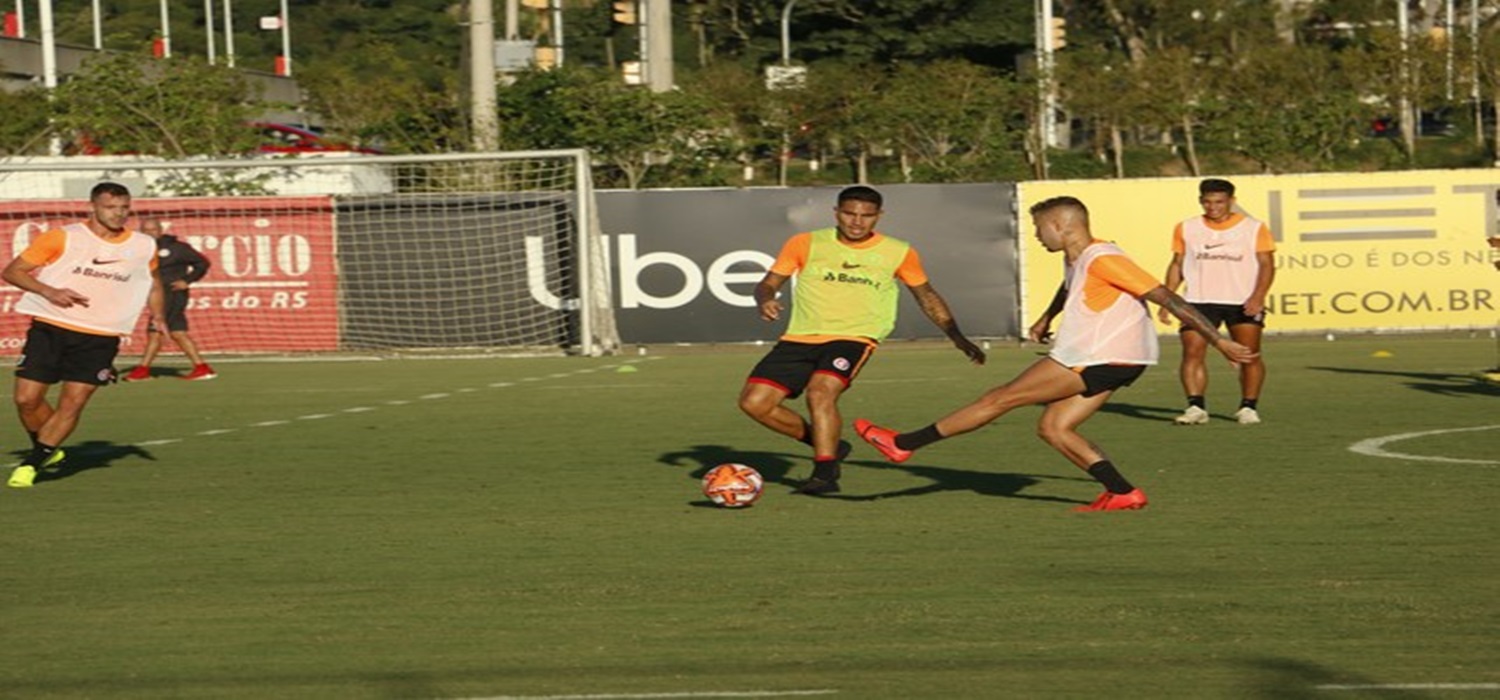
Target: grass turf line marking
pixel 1412 686
pixel 650 696
pixel 1375 447
pixel 366 409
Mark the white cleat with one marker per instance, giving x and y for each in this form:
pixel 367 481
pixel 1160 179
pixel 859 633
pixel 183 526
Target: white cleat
pixel 1192 416
pixel 1247 416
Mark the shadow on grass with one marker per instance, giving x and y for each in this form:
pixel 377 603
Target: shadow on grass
pixel 1282 678
pixel 1442 383
pixel 93 454
pixel 1153 413
pixel 776 468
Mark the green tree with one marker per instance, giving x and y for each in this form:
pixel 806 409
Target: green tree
pixel 1293 109
pixel 25 129
pixel 950 114
pixel 628 130
pixel 177 108
pixel 376 99
pixel 740 107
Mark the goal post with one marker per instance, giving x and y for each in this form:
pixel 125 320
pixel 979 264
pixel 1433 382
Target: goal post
pixel 480 252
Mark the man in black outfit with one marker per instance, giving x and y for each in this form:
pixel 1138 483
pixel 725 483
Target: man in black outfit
pixel 179 266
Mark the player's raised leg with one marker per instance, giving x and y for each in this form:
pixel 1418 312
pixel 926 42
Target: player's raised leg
pixel 1044 381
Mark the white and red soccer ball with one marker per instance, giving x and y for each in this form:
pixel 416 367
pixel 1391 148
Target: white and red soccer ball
pixel 733 485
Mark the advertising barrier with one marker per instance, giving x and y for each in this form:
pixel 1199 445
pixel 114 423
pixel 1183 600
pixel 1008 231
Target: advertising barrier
pixel 684 262
pixel 272 285
pixel 1368 251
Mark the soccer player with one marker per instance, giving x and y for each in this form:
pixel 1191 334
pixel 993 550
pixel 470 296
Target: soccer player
pixel 179 265
pixel 1105 342
pixel 1228 261
pixel 843 305
pixel 85 284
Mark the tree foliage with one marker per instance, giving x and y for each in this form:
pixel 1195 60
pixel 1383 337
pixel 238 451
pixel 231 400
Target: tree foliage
pixel 177 108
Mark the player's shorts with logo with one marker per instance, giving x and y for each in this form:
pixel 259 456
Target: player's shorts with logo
pixel 54 354
pixel 1228 315
pixel 789 365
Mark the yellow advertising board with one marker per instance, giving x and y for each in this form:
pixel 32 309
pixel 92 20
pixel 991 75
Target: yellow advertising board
pixel 1365 251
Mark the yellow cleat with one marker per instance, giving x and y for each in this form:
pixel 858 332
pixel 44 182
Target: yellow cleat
pixel 55 459
pixel 22 477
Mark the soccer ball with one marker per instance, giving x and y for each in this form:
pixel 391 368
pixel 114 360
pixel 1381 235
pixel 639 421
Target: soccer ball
pixel 733 485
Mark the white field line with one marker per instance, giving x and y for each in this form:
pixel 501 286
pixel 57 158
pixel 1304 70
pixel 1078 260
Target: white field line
pixel 1375 447
pixel 1412 686
pixel 683 695
pixel 436 396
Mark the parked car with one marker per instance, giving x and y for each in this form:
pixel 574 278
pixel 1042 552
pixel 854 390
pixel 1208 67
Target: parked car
pixel 292 138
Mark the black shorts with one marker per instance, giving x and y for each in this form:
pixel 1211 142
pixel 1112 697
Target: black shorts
pixel 177 306
pixel 1227 315
pixel 1098 379
pixel 53 354
pixel 789 366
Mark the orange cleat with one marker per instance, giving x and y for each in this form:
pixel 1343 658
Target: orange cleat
pixel 883 439
pixel 1135 500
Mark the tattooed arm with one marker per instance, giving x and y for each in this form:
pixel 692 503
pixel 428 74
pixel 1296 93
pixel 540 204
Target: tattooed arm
pixel 1191 319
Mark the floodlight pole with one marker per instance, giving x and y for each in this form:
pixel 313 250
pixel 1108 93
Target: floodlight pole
pixel 208 24
pixel 228 34
pixel 286 41
pixel 786 33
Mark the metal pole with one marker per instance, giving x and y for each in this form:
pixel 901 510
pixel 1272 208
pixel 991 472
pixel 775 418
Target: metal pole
pixel 1408 128
pixel 49 65
pixel 228 34
pixel 166 32
pixel 557 32
pixel 1479 136
pixel 512 20
pixel 659 77
pixel 786 33
pixel 208 24
pixel 21 19
pixel 98 29
pixel 484 120
pixel 286 40
pixel 1046 96
pixel 1448 46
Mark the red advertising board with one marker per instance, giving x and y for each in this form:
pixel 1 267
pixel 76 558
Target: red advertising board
pixel 272 287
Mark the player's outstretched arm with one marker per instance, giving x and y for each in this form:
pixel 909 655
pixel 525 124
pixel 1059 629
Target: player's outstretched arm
pixel 936 309
pixel 1192 319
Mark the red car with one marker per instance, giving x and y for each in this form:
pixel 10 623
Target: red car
pixel 286 138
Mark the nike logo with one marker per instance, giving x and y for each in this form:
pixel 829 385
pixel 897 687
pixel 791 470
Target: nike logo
pixel 851 266
pixel 97 261
pixel 1211 246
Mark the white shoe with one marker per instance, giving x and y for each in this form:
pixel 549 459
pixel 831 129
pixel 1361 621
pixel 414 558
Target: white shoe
pixel 1192 416
pixel 1247 416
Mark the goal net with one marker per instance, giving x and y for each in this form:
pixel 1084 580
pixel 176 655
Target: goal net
pixel 491 252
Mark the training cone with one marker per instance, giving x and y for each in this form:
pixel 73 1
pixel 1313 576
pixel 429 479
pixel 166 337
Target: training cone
pixel 1382 353
pixel 627 368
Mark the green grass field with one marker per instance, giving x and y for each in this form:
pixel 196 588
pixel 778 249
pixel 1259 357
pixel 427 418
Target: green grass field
pixel 533 528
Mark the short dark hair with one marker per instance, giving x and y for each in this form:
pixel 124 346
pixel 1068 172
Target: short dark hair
pixel 1060 202
pixel 1214 184
pixel 113 189
pixel 861 193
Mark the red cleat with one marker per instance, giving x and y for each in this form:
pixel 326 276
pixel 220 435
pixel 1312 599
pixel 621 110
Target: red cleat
pixel 140 374
pixel 883 439
pixel 1135 500
pixel 201 372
